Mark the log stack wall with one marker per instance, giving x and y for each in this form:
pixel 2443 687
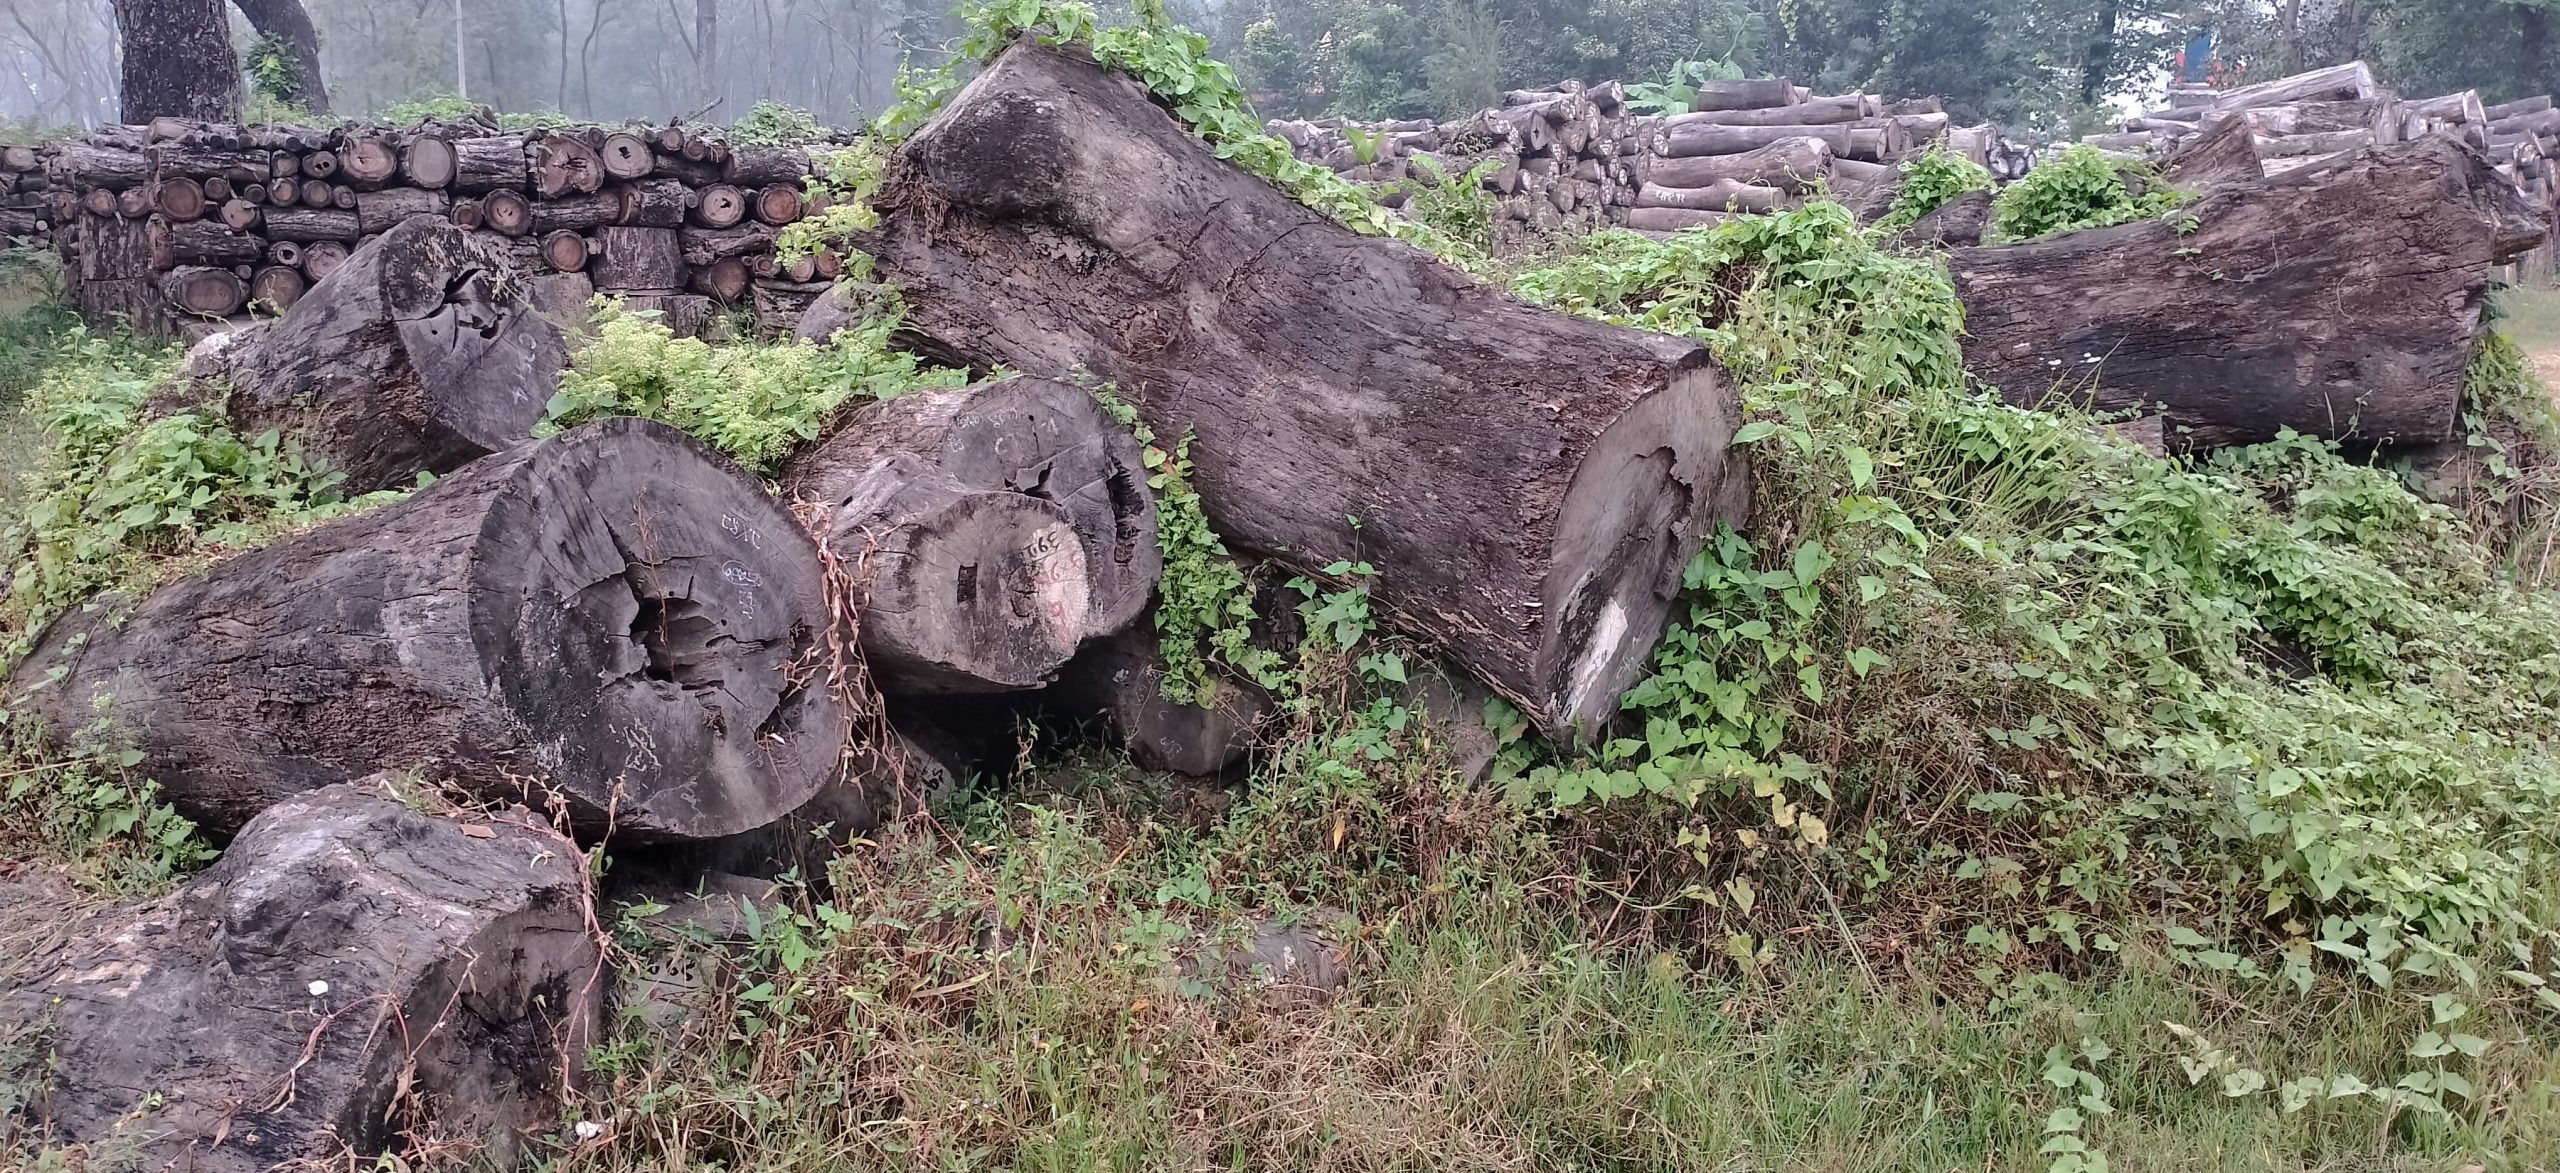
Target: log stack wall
pixel 177 226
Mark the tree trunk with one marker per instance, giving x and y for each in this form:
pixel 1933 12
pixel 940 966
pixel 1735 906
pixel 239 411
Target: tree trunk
pixel 288 24
pixel 2098 58
pixel 348 962
pixel 638 258
pixel 997 528
pixel 616 613
pixel 1527 484
pixel 2342 300
pixel 178 61
pixel 419 355
pixel 1794 165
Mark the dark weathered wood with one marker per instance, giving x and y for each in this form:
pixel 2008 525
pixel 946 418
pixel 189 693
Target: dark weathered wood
pixel 653 203
pixel 427 161
pixel 1753 94
pixel 419 354
pixel 578 213
pixel 316 193
pixel 1795 165
pixel 200 242
pixel 1120 679
pixel 178 198
pixel 686 315
pixel 136 202
pixel 724 280
pixel 377 211
pixel 84 165
pixel 1818 112
pixel 703 246
pixel 204 290
pixel 98 201
pixel 1957 223
pixel 618 614
pixel 564 250
pixel 882 779
pixel 285 252
pixel 489 164
pixel 1023 435
pixel 566 164
pixel 2342 300
pixel 625 156
pixel 113 247
pixel 778 204
pixel 320 164
pixel 310 224
pixel 2349 82
pixel 507 213
pixel 177 60
pixel 638 258
pixel 464 214
pixel 347 959
pixel 276 288
pixel 719 206
pixel 1531 515
pixel 368 160
pixel 323 257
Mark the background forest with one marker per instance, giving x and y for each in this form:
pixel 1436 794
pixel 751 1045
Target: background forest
pixel 2037 66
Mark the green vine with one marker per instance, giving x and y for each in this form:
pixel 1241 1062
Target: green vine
pixel 1929 181
pixel 2081 188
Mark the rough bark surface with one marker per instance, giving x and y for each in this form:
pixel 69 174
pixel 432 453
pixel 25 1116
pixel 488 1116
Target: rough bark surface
pixel 1120 679
pixel 616 613
pixel 177 60
pixel 345 951
pixel 1530 514
pixel 2341 300
pixel 418 354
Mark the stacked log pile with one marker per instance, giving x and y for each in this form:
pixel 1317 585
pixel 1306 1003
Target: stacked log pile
pixel 26 200
pixel 179 224
pixel 2207 137
pixel 1573 157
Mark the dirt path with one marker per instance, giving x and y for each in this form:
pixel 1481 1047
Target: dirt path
pixel 2546 362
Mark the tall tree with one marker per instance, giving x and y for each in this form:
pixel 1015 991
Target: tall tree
pixel 178 60
pixel 288 25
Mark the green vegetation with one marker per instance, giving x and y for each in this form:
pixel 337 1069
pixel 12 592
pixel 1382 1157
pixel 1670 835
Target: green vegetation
pixel 2080 188
pixel 773 124
pixel 1678 93
pixel 1929 180
pixel 752 400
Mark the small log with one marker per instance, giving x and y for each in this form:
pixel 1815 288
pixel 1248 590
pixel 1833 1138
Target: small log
pixel 779 304
pixel 1793 165
pixel 507 213
pixel 617 613
pixel 284 164
pixel 638 258
pixel 200 242
pixel 1755 94
pixel 417 355
pixel 777 205
pixel 320 164
pixel 494 163
pixel 323 257
pixel 564 250
pixel 136 202
pixel 347 952
pixel 1818 112
pixel 377 211
pixel 564 165
pixel 317 193
pixel 724 280
pixel 2518 108
pixel 2365 278
pixel 80 164
pixel 765 166
pixel 179 198
pixel 369 161
pixel 1703 139
pixel 285 252
pixel 625 156
pixel 702 246
pixel 284 193
pixel 690 172
pixel 312 224
pixel 218 190
pixel 1726 196
pixel 204 161
pixel 578 213
pixel 1530 517
pixel 1674 219
pixel 19 157
pixel 204 290
pixel 653 203
pixel 464 213
pixel 721 206
pixel 276 288
pixel 427 161
pixel 98 201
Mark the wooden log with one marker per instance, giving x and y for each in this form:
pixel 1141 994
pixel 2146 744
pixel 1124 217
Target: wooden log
pixel 284 164
pixel 323 257
pixel 882 779
pixel 779 304
pixel 418 355
pixel 316 193
pixel 625 156
pixel 2225 152
pixel 1700 139
pixel 777 205
pixel 98 201
pixel 284 193
pixel 218 190
pixel 2536 123
pixel 464 213
pixel 564 250
pixel 1725 196
pixel 276 287
pixel 688 315
pixel 319 164
pixel 653 203
pixel 618 613
pixel 178 198
pixel 345 953
pixel 494 163
pixel 2521 106
pixel 724 280
pixel 719 206
pixel 200 242
pixel 136 202
pixel 1818 112
pixel 1794 165
pixel 564 165
pixel 578 213
pixel 766 166
pixel 19 157
pixel 2342 301
pixel 1531 517
pixel 204 290
pixel 84 165
pixel 2329 143
pixel 2348 82
pixel 312 224
pixel 134 303
pixel 507 213
pixel 1674 219
pixel 427 161
pixel 703 246
pixel 1120 680
pixel 369 161
pixel 690 172
pixel 377 211
pixel 286 253
pixel 1755 94
pixel 638 258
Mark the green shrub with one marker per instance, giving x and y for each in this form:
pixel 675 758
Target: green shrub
pixel 2080 188
pixel 774 124
pixel 1929 180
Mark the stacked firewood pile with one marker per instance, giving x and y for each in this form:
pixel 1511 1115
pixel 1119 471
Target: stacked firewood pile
pixel 178 223
pixel 2207 136
pixel 26 207
pixel 1575 157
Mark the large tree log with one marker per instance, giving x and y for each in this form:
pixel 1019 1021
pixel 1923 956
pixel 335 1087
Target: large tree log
pixel 348 962
pixel 1818 112
pixel 1532 513
pixel 1021 435
pixel 1796 165
pixel 1725 196
pixel 418 354
pixel 2342 300
pixel 617 613
pixel 494 163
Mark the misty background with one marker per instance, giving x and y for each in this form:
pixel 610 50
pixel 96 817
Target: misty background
pixel 2039 66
